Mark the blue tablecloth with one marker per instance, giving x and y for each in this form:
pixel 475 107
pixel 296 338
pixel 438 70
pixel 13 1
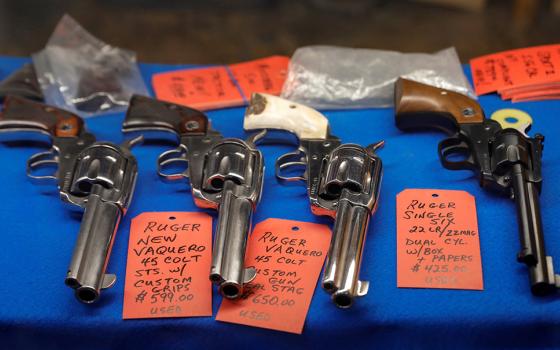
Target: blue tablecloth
pixel 37 234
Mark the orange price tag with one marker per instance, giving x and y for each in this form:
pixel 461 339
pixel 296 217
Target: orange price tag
pixel 209 88
pixel 265 75
pixel 169 258
pixel 437 240
pixel 288 256
pixel 515 68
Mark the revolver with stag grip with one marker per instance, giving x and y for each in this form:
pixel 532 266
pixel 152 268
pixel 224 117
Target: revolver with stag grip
pixel 343 182
pixel 96 176
pixel 225 174
pixel 498 150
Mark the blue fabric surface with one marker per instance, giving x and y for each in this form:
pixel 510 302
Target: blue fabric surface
pixel 38 233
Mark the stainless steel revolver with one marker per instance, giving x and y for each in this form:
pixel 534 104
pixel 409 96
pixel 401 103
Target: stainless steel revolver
pixel 225 174
pixel 96 176
pixel 343 182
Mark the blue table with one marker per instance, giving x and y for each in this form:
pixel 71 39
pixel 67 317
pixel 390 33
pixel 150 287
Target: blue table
pixel 38 234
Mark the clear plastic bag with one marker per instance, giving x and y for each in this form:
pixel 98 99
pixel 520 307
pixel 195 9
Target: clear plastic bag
pixel 80 73
pixel 328 77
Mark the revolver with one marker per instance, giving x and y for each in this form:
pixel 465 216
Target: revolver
pixel 96 176
pixel 343 182
pixel 225 174
pixel 498 150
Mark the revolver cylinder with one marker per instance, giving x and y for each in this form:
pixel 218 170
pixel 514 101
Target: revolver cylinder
pixel 234 170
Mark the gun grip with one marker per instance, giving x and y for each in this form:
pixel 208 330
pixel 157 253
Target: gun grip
pixel 271 112
pixel 146 114
pixel 22 82
pixel 420 106
pixel 21 114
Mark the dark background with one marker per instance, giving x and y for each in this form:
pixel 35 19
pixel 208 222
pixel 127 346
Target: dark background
pixel 230 31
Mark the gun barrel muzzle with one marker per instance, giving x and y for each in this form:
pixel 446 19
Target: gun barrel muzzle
pixel 86 273
pixel 541 271
pixel 342 269
pixel 228 255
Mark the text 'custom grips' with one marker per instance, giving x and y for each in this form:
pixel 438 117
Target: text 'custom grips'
pixel 146 113
pixel 20 114
pixel 419 105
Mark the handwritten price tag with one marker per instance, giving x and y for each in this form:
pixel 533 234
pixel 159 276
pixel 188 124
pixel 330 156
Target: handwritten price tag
pixel 510 69
pixel 437 240
pixel 288 256
pixel 209 88
pixel 169 258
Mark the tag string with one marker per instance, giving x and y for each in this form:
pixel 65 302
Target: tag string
pixel 236 83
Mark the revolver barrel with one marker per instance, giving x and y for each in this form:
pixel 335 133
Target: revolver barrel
pixel 342 269
pixel 541 271
pixel 228 260
pixel 91 254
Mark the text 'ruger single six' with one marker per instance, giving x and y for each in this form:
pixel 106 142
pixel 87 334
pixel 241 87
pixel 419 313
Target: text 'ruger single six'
pixel 343 182
pixel 499 151
pixel 96 176
pixel 224 174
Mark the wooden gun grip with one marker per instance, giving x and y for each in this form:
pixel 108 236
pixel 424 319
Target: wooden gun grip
pixel 419 105
pixel 145 113
pixel 22 114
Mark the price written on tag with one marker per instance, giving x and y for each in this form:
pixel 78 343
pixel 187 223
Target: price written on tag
pixel 169 258
pixel 437 240
pixel 516 68
pixel 288 256
pixel 222 86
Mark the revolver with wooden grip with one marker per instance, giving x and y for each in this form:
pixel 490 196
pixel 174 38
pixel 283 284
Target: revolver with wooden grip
pixel 343 182
pixel 225 174
pixel 498 150
pixel 96 176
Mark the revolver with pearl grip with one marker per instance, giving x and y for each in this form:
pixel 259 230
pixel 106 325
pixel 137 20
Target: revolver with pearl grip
pixel 98 177
pixel 343 182
pixel 225 174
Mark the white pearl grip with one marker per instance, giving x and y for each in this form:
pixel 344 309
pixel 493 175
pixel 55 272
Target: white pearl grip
pixel 271 112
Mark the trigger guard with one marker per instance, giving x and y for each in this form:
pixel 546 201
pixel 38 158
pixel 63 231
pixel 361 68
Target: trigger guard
pixel 288 160
pixel 455 145
pixel 177 155
pixel 42 160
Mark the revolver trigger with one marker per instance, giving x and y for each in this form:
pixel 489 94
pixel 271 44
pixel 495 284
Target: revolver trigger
pixel 109 280
pixel 291 160
pixel 41 160
pixel 171 158
pixel 455 154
